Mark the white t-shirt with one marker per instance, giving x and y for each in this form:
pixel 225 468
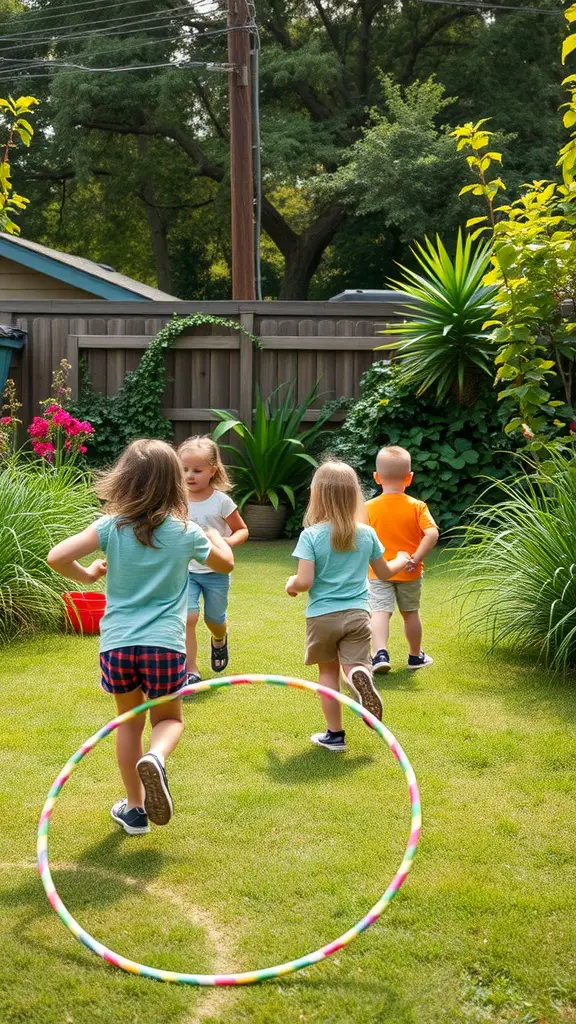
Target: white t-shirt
pixel 212 512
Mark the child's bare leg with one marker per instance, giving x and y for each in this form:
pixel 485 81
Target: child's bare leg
pixel 413 631
pixel 167 725
pixel 129 746
pixel 191 643
pixel 380 624
pixel 218 630
pixel 329 675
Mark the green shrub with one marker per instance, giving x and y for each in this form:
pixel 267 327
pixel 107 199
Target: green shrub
pixel 518 565
pixel 453 449
pixel 39 507
pixel 441 344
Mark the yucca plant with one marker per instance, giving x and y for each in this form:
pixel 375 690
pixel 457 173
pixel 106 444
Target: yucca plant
pixel 519 563
pixel 442 344
pixel 39 507
pixel 272 462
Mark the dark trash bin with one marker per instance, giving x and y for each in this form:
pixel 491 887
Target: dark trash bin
pixel 12 339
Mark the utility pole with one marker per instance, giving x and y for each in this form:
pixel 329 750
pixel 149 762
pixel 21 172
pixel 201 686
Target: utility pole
pixel 241 173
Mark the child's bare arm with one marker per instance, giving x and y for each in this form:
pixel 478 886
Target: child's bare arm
pixel 63 557
pixel 239 529
pixel 428 542
pixel 303 579
pixel 385 570
pixel 220 558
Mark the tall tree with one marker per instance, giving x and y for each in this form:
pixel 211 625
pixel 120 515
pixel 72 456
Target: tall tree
pixel 321 68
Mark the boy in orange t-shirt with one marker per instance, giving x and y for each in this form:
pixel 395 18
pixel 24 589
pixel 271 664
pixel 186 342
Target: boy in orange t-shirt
pixel 402 523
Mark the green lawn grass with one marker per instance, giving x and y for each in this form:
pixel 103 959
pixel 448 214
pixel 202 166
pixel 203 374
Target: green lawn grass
pixel 277 847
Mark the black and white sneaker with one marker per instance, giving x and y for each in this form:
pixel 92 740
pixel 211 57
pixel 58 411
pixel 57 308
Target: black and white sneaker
pixel 381 661
pixel 330 740
pixel 191 678
pixel 134 821
pixel 361 680
pixel 416 661
pixel 157 802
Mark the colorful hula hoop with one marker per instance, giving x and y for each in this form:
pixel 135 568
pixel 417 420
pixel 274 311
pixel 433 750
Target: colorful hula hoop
pixel 247 977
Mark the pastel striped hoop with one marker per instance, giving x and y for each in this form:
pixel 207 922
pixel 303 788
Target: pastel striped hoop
pixel 247 977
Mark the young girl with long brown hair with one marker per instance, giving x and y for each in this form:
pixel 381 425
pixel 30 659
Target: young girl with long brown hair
pixel 148 542
pixel 209 505
pixel 334 552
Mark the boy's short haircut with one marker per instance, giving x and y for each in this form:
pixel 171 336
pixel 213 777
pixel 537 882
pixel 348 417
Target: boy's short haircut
pixel 393 463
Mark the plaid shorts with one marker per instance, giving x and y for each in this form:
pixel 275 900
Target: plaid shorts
pixel 157 671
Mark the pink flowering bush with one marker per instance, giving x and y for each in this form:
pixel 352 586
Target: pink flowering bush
pixel 58 435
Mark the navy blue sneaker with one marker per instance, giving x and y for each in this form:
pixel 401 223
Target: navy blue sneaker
pixel 416 661
pixel 330 740
pixel 381 661
pixel 157 801
pixel 134 821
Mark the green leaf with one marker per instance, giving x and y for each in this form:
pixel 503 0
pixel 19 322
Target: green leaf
pixel 568 45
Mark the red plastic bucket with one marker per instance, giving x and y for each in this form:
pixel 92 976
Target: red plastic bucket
pixel 85 610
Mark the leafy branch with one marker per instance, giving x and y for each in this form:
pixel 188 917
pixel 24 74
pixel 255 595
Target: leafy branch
pixel 17 127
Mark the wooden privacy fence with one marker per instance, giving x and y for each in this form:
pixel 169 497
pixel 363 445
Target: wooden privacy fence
pixel 209 366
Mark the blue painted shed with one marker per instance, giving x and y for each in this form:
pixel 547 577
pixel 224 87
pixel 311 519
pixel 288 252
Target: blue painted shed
pixel 31 271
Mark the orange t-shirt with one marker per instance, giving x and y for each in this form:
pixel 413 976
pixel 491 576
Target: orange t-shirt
pixel 399 522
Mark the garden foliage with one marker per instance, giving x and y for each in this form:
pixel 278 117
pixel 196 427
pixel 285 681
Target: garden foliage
pixel 453 449
pixel 442 343
pixel 39 507
pixel 518 563
pixel 273 462
pixel 16 125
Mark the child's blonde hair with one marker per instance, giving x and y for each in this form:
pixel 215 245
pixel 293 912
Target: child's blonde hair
pixel 209 451
pixel 144 486
pixel 336 498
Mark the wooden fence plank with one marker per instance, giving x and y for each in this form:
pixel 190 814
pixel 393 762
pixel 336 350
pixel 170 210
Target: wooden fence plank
pixel 142 341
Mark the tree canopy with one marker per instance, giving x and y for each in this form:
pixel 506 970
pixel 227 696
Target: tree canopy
pixel 130 167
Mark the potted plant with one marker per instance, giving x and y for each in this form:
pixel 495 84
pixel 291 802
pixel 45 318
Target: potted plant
pixel 272 463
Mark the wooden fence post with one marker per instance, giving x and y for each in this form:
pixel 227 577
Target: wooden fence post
pixel 246 402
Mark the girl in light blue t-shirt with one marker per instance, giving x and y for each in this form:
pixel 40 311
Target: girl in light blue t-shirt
pixel 148 542
pixel 334 552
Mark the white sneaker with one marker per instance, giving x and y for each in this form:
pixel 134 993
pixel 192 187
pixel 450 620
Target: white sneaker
pixel 361 680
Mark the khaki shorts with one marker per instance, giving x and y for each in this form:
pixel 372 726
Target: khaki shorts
pixel 406 594
pixel 339 636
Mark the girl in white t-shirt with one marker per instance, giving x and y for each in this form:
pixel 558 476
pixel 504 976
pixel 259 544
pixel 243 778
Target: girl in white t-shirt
pixel 210 507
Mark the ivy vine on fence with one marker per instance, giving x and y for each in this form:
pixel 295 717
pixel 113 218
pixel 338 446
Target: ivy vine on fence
pixel 136 410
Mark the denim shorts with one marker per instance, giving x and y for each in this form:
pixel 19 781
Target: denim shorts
pixel 215 588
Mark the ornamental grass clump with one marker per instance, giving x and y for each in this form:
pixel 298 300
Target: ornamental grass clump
pixel 519 563
pixel 39 507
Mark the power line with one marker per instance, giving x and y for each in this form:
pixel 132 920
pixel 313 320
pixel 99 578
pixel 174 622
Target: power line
pixel 116 27
pixel 66 69
pixel 206 8
pixel 493 7
pixel 27 63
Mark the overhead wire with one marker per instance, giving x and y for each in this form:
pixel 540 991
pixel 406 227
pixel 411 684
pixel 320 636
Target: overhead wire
pixel 493 7
pixel 177 65
pixel 117 27
pixel 206 8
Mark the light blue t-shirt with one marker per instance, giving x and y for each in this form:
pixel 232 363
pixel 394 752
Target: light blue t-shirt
pixel 340 577
pixel 147 588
